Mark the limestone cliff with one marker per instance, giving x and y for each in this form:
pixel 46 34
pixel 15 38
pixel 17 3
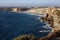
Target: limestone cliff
pixel 53 18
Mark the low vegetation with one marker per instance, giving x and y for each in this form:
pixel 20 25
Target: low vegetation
pixel 25 37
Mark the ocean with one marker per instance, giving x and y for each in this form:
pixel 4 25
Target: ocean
pixel 13 24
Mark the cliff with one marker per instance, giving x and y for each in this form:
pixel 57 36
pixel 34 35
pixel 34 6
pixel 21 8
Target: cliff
pixel 53 19
pixel 42 10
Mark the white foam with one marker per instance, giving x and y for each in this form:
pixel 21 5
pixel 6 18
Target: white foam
pixel 45 31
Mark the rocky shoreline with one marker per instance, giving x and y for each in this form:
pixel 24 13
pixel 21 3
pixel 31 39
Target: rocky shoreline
pixel 53 19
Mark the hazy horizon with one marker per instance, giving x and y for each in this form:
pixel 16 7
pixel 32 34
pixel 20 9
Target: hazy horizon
pixel 29 3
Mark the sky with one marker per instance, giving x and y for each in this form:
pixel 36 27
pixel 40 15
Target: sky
pixel 27 2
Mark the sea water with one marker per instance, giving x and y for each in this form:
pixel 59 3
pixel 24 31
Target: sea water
pixel 14 24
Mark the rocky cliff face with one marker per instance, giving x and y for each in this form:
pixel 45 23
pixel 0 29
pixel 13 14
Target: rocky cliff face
pixel 53 15
pixel 53 18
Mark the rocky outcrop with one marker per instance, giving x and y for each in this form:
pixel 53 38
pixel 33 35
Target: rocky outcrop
pixel 42 10
pixel 53 19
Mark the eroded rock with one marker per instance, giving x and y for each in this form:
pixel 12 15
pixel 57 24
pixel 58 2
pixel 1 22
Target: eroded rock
pixel 53 19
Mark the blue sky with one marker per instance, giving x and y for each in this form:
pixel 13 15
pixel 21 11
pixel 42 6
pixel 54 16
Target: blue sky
pixel 26 2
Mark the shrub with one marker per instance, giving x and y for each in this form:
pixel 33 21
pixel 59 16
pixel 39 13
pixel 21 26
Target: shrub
pixel 25 37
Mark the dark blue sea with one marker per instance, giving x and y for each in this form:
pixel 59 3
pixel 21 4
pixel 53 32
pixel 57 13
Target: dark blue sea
pixel 13 24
